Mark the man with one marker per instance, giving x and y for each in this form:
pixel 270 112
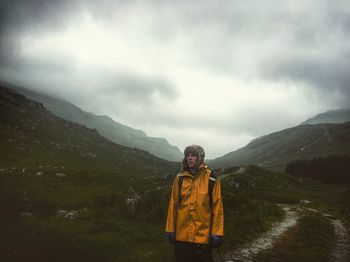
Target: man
pixel 195 222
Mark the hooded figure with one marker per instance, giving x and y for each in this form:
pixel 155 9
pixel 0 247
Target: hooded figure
pixel 195 221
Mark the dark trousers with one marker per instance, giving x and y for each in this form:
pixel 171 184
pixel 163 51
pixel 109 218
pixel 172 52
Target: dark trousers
pixel 192 252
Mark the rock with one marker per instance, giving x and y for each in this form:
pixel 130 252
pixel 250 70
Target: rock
pixel 61 212
pixel 60 175
pixel 233 184
pixel 26 214
pixel 72 214
pixel 312 210
pixel 40 173
pixel 304 202
pixel 133 200
pixel 328 216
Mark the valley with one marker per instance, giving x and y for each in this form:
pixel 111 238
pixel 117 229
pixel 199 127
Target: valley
pixel 68 193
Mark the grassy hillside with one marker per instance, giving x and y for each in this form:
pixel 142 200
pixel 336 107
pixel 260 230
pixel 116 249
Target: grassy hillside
pixel 106 126
pixel 33 137
pixel 275 150
pixel 68 194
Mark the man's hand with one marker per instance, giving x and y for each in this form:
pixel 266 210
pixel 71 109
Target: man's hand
pixel 216 241
pixel 171 237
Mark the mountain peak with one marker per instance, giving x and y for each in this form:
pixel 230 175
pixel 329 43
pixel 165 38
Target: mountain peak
pixel 336 116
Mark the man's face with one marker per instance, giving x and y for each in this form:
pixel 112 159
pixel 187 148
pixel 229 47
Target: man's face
pixel 191 160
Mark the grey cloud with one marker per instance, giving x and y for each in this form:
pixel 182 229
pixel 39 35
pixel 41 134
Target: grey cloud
pixel 219 31
pixel 42 15
pixel 327 76
pixel 252 40
pixel 316 53
pixel 137 88
pixel 17 16
pixel 45 74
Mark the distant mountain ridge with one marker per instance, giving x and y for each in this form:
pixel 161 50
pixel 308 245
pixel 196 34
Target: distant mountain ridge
pixel 331 117
pixel 32 136
pixel 106 126
pixel 275 150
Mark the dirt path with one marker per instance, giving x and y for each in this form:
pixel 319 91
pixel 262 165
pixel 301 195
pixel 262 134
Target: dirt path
pixel 239 171
pixel 248 251
pixel 341 253
pixel 342 249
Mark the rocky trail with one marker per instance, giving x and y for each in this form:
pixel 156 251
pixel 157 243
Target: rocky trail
pixel 247 252
pixel 265 241
pixel 239 171
pixel 341 252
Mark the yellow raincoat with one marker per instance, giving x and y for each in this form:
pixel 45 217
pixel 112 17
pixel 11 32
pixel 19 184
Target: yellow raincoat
pixel 193 220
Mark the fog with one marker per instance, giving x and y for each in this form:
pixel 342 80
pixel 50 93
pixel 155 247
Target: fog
pixel 214 73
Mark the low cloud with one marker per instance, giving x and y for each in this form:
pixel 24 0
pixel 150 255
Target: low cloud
pixel 218 74
pixel 328 77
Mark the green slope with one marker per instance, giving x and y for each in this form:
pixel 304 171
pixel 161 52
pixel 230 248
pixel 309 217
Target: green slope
pixel 68 194
pixel 275 150
pixel 33 137
pixel 106 126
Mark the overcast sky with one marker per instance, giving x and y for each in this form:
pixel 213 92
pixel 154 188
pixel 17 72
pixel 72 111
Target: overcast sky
pixel 215 73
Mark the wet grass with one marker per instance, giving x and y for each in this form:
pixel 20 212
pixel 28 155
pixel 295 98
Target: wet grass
pixel 109 229
pixel 251 206
pixel 99 176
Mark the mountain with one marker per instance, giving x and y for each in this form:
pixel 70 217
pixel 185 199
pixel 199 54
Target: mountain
pixel 69 194
pixel 330 117
pixel 31 136
pixel 106 126
pixel 275 150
